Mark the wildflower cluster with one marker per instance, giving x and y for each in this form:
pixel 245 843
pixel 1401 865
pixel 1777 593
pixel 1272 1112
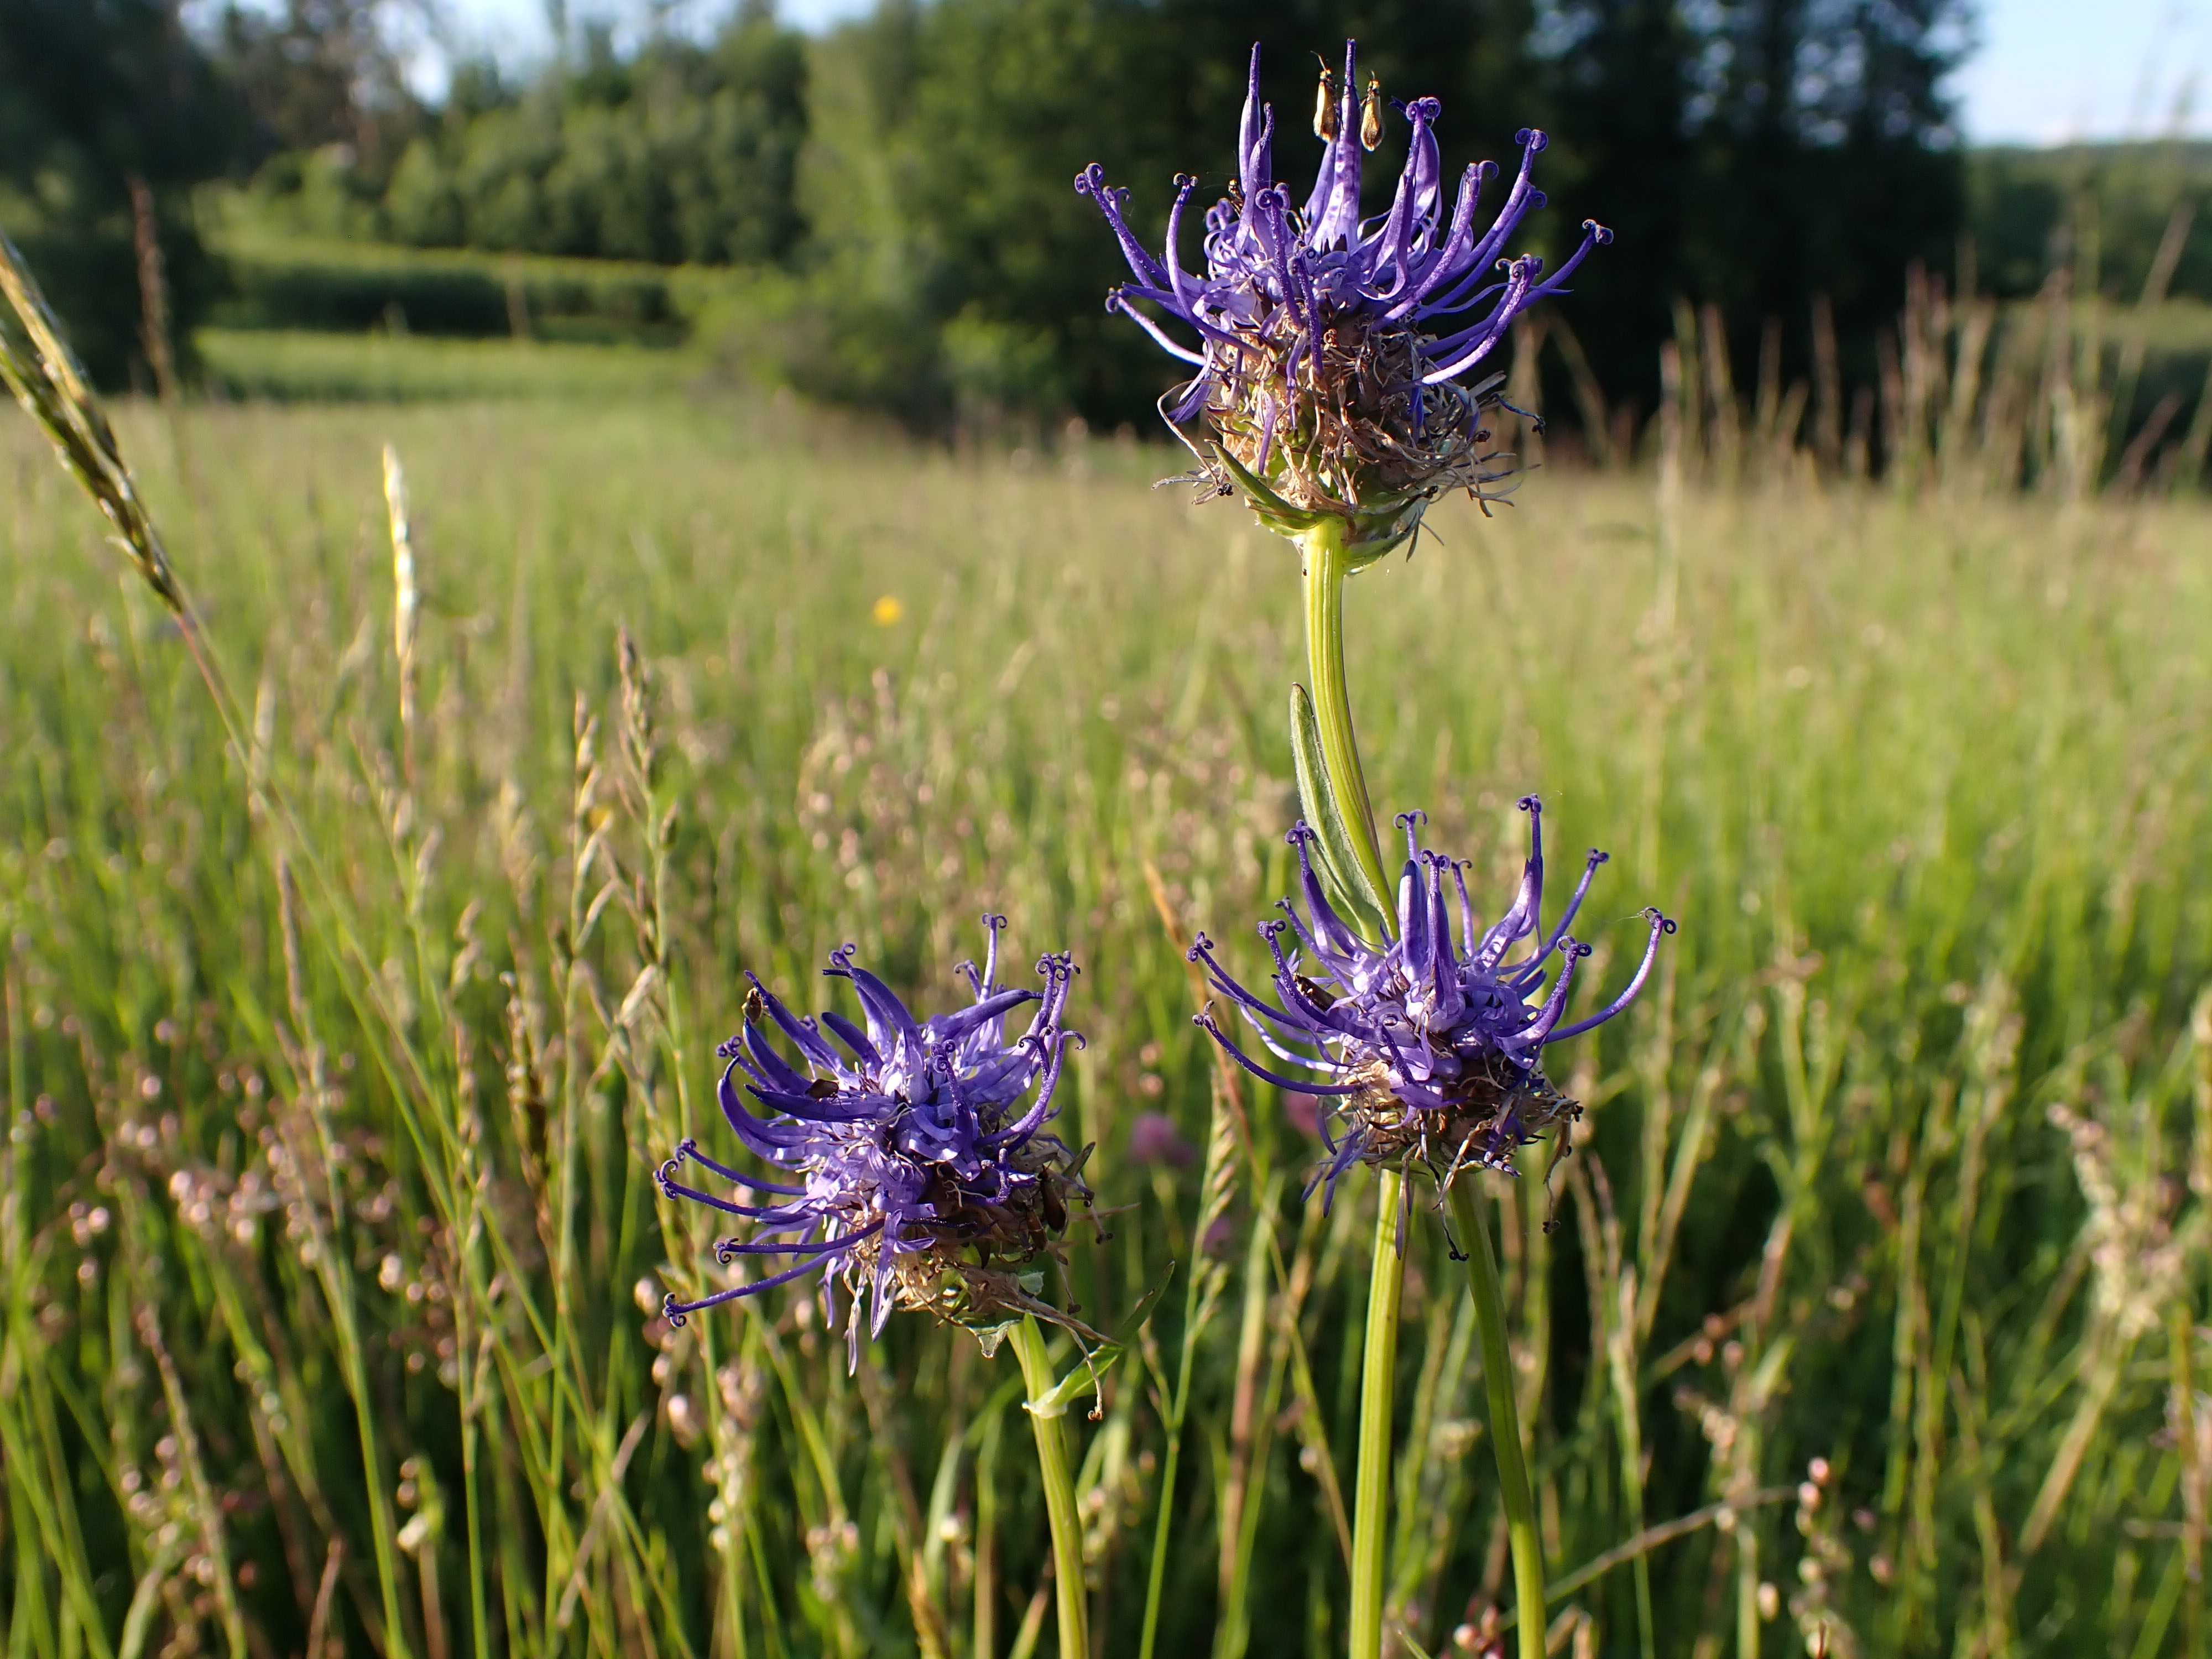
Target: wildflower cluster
pixel 1329 349
pixel 1427 1051
pixel 905 1163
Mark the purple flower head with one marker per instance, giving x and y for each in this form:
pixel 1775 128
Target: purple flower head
pixel 907 1159
pixel 1422 1049
pixel 1328 351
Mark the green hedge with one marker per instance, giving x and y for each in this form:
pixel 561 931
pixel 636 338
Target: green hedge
pixel 347 287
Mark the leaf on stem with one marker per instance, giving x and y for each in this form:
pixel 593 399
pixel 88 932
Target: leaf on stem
pixel 1086 1377
pixel 1346 876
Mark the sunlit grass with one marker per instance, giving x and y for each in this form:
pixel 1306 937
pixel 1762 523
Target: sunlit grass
pixel 1902 1166
pixel 293 365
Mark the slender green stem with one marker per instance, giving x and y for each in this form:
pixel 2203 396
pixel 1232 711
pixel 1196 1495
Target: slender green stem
pixel 472 1476
pixel 1327 565
pixel 983 1643
pixel 1371 1503
pixel 1504 1418
pixel 2180 1328
pixel 1170 1469
pixel 1051 1426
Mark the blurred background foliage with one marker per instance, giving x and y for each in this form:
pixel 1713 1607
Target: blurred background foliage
pixel 881 216
pixel 94 93
pixel 909 172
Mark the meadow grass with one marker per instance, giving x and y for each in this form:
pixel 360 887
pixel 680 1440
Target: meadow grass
pixel 1866 1313
pixel 296 365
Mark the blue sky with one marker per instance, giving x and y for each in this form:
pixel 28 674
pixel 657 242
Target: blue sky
pixel 2044 70
pixel 2053 70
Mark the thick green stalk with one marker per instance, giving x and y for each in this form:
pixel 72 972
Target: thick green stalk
pixel 1505 1420
pixel 1327 565
pixel 1050 1423
pixel 1371 1503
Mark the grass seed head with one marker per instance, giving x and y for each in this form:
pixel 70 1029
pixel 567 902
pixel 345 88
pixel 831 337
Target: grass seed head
pixel 48 380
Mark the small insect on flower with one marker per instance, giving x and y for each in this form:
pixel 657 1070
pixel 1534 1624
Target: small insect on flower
pixel 907 1159
pixel 1329 350
pixel 1422 1051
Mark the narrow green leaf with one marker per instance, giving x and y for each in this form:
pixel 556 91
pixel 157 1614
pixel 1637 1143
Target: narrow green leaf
pixel 1340 868
pixel 1143 1310
pixel 1262 493
pixel 1077 1382
pixel 1086 1377
pixel 1272 510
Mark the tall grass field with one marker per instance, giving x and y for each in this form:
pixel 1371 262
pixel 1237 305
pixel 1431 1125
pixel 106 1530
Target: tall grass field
pixel 1866 1316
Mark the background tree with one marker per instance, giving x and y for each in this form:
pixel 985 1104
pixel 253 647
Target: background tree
pixel 909 174
pixel 1829 160
pixel 93 94
pixel 1751 154
pixel 320 73
pixel 958 206
pixel 680 152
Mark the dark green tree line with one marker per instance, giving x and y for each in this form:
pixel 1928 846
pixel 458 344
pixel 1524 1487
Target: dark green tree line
pixel 909 174
pixel 1751 155
pixel 2109 205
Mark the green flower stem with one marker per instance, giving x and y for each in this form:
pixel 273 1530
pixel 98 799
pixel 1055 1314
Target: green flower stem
pixel 1051 1426
pixel 1505 1420
pixel 1326 563
pixel 1371 1503
pixel 1170 1469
